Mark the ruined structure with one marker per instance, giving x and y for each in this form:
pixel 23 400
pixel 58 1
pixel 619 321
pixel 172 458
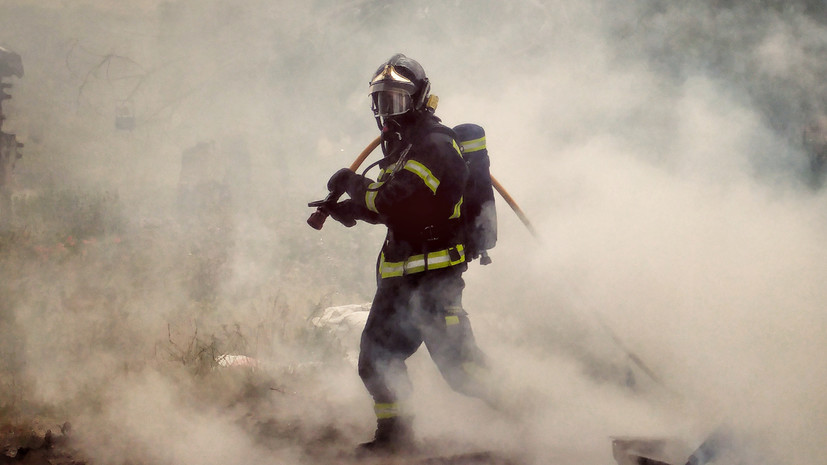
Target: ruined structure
pixel 213 188
pixel 10 65
pixel 814 138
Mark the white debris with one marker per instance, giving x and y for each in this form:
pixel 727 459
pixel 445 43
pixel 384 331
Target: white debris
pixel 345 324
pixel 232 360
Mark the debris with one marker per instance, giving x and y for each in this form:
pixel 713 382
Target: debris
pixel 651 451
pixel 232 360
pixel 35 443
pixel 345 323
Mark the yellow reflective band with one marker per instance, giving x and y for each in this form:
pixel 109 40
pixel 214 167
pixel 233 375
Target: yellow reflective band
pixel 475 370
pixel 456 147
pixel 370 196
pixel 386 410
pixel 390 270
pixel 420 170
pixel 382 173
pixel 454 309
pixel 416 263
pixel 451 320
pixel 473 145
pixel 457 210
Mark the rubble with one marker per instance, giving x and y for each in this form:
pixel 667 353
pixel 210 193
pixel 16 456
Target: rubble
pixel 345 324
pixel 10 65
pixel 36 443
pixel 651 451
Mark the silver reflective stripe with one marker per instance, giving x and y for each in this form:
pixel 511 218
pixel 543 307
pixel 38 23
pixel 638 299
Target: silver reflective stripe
pixel 416 264
pixel 453 313
pixel 424 173
pixel 473 145
pixel 370 196
pixel 392 269
pixel 454 309
pixel 435 261
pixel 389 410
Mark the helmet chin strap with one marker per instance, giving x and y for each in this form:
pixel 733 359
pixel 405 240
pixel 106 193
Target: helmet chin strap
pixel 391 124
pixel 391 133
pixel 391 127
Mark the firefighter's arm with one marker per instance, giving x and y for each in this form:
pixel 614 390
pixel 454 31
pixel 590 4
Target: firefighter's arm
pixel 377 199
pixel 348 211
pixel 383 198
pixel 418 177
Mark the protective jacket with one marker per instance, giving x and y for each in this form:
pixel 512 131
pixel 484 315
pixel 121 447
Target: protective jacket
pixel 418 195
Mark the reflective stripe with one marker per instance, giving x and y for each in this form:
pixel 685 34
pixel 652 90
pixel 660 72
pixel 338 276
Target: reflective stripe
pixel 473 145
pixel 475 370
pixel 416 263
pixel 370 196
pixel 453 313
pixel 386 410
pixel 420 170
pixel 457 147
pixel 457 210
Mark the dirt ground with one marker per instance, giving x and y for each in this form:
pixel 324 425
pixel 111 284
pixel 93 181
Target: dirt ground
pixel 37 442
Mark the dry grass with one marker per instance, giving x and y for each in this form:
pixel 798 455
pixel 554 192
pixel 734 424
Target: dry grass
pixel 85 290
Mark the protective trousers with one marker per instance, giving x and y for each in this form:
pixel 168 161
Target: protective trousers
pixel 407 311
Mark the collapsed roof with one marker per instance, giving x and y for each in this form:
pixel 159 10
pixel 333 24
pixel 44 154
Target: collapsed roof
pixel 10 63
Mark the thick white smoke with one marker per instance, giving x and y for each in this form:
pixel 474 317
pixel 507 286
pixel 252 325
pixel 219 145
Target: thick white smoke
pixel 654 146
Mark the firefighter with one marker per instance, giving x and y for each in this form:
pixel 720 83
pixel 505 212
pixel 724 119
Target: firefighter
pixel 417 195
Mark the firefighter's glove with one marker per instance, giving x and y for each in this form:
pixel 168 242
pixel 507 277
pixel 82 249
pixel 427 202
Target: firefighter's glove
pixel 344 212
pixel 340 181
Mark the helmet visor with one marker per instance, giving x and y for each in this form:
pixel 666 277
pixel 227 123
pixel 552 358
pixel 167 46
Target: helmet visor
pixel 391 102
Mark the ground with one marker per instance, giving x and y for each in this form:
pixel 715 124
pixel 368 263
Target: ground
pixel 37 442
pixel 42 442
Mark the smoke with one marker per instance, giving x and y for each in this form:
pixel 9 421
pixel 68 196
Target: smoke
pixel 676 284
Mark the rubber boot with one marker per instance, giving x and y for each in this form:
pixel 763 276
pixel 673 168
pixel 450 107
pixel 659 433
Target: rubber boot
pixel 393 435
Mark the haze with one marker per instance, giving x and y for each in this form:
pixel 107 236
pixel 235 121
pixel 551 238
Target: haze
pixel 655 146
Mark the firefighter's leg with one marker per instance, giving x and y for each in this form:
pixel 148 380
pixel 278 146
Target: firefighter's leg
pixel 388 340
pixel 448 336
pixel 453 348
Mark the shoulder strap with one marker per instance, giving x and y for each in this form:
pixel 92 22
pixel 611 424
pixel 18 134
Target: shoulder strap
pixel 431 125
pixel 445 130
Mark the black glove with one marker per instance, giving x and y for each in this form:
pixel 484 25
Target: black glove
pixel 344 212
pixel 340 180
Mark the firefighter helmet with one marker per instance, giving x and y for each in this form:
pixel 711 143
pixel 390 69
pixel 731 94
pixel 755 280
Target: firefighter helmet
pixel 398 87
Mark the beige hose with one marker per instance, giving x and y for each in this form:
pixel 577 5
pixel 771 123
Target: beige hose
pixel 362 156
pixel 511 203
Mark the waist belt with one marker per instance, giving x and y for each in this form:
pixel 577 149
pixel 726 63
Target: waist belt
pixel 451 256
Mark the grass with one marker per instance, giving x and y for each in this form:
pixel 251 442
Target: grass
pixel 86 293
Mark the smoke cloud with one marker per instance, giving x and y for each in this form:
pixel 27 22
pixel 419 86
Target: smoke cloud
pixel 675 286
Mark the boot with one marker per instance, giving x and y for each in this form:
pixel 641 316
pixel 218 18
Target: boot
pixel 393 435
